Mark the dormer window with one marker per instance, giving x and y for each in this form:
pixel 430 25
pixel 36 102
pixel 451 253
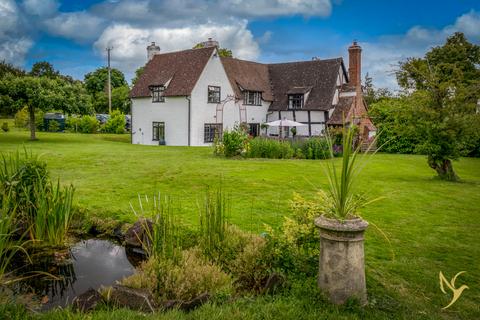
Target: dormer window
pixel 295 101
pixel 252 98
pixel 158 93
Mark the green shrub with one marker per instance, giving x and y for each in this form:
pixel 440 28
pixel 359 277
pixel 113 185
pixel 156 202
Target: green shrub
pixel 315 148
pixel 21 118
pixel 252 265
pixel 184 279
pixel 116 123
pixel 5 127
pixel 295 246
pixel 53 126
pixel 269 148
pixel 234 142
pixel 89 124
pixel 39 124
pixel 72 123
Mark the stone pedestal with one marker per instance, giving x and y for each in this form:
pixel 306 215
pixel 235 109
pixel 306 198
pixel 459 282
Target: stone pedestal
pixel 342 264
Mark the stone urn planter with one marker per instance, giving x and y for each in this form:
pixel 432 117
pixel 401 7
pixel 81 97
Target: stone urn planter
pixel 342 267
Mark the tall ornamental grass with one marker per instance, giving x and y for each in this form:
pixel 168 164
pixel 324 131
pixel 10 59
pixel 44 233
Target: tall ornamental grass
pixel 340 200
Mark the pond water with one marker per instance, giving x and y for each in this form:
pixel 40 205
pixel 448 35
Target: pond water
pixel 89 264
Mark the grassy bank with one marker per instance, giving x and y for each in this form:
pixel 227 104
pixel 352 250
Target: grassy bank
pixel 431 225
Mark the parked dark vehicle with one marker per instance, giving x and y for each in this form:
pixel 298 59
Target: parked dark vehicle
pixel 102 117
pixel 54 122
pixel 128 122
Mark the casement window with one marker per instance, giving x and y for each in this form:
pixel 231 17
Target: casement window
pixel 158 131
pixel 213 94
pixel 254 129
pixel 295 101
pixel 252 98
pixel 212 130
pixel 157 93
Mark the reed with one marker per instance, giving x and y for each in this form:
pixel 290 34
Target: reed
pixel 213 219
pixel 9 247
pixel 162 239
pixel 54 213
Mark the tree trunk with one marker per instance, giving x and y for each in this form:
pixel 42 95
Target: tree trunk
pixel 31 110
pixel 444 169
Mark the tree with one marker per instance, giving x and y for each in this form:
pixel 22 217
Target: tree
pixel 222 52
pixel 373 95
pixel 44 69
pixel 390 115
pixel 42 93
pixel 138 73
pixel 96 85
pixel 7 68
pixel 96 81
pixel 445 89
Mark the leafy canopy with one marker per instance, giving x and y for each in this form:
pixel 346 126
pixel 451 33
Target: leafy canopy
pixel 445 88
pixel 96 81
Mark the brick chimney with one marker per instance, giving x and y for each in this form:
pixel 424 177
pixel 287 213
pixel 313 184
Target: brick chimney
pixel 355 64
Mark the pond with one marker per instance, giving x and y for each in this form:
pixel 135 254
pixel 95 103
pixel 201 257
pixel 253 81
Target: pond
pixel 88 264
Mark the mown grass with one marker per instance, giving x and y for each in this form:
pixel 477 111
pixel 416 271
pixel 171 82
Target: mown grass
pixel 431 225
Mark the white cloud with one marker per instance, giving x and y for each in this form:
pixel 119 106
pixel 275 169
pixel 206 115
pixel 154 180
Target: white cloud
pixel 261 8
pixel 381 57
pixel 41 8
pixel 129 43
pixel 8 17
pixel 15 51
pixel 468 23
pixel 79 26
pixel 13 45
pixel 265 38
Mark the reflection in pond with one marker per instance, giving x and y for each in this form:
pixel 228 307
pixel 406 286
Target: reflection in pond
pixel 92 263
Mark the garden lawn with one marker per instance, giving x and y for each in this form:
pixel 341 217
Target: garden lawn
pixel 421 227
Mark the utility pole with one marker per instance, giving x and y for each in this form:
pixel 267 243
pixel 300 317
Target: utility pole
pixel 109 81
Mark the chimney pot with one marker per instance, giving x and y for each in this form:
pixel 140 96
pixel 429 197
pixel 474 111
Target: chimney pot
pixel 210 43
pixel 152 50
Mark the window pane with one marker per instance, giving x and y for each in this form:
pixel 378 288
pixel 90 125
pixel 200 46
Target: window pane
pixel 212 130
pixel 158 131
pixel 157 93
pixel 213 94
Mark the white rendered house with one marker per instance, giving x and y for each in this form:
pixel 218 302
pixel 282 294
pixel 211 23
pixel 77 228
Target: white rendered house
pixel 188 97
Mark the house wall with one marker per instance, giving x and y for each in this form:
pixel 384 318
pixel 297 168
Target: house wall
pixel 174 112
pixel 317 122
pixel 203 112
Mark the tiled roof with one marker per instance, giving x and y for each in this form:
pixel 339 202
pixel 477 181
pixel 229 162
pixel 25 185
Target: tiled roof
pixel 341 111
pixel 320 75
pixel 181 68
pixel 248 75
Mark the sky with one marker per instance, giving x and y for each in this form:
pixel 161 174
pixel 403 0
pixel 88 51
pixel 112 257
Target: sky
pixel 73 35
